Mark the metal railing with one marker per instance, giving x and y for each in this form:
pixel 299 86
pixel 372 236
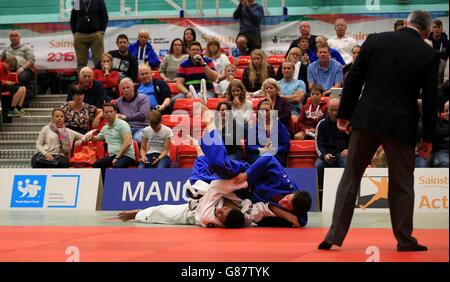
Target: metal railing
pixel 127 12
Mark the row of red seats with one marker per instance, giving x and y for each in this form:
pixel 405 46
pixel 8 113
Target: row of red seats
pixel 302 153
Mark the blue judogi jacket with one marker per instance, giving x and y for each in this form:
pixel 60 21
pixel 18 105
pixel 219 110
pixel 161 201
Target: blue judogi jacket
pixel 266 176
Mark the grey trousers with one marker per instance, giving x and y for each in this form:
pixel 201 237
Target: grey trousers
pixel 362 146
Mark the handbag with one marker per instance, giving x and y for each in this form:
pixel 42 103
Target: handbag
pixel 40 161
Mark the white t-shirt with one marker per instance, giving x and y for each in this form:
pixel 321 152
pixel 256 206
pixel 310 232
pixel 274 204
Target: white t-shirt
pixel 155 140
pixel 344 46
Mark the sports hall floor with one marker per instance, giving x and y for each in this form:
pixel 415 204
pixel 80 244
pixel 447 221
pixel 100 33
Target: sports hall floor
pixel 58 236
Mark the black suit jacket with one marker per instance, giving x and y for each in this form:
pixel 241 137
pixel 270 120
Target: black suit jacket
pixel 393 67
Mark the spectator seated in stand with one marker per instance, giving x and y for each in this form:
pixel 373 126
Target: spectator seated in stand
pixel 14 100
pixel 222 86
pixel 54 143
pixel 312 112
pixel 439 157
pixel 168 69
pixel 242 109
pixel 355 53
pixel 123 61
pixel 267 136
pixel 241 48
pixel 156 139
pixel 189 36
pixel 325 71
pixel 110 79
pixel 301 63
pixel 271 92
pixel 24 54
pixel 143 50
pixel 117 134
pixel 192 71
pixel 219 59
pixel 305 32
pixel 331 143
pixel 157 91
pixel 291 88
pixel 341 41
pixel 133 108
pixel 80 116
pixel 231 131
pixel 256 73
pixel 94 93
pixel 334 54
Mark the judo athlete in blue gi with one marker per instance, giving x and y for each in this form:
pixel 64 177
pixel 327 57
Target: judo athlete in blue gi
pixel 266 178
pixel 215 205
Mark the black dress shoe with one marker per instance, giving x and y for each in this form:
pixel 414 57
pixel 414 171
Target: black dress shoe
pixel 414 249
pixel 325 246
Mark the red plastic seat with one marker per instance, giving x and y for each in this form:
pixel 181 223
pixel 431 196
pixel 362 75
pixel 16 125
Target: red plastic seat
pixel 173 88
pixel 243 61
pixel 255 102
pixel 186 155
pixel 185 105
pixel 155 74
pixel 239 73
pixel 302 154
pixel 181 128
pixel 276 60
pixel 232 60
pixel 212 103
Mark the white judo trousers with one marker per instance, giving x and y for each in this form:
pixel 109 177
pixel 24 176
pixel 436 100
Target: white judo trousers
pixel 167 214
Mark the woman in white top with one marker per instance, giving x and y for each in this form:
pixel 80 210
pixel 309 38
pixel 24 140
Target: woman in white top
pixel 241 107
pixel 220 60
pixel 168 69
pixel 54 143
pixel 156 137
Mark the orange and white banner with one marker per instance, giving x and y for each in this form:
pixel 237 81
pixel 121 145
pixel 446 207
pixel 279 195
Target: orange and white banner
pixel 431 187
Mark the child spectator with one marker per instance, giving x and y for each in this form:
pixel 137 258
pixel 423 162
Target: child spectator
pixel 314 110
pixel 221 87
pixel 155 154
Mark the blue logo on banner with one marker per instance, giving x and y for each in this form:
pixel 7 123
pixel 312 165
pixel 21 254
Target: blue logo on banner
pixel 28 191
pixel 128 189
pixel 163 52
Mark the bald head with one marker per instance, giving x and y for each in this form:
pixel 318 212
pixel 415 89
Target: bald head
pixel 86 76
pixel 333 108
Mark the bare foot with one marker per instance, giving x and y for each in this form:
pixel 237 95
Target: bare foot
pixel 128 215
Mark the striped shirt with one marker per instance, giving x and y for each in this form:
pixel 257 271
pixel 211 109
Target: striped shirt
pixel 193 74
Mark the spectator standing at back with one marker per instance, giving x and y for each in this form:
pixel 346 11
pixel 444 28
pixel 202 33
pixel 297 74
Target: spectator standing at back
pixel 88 22
pixel 439 39
pixel 341 41
pixel 250 16
pixel 24 55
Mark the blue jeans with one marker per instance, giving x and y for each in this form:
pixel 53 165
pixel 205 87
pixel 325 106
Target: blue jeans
pixel 420 162
pixel 122 162
pixel 137 135
pixel 320 165
pixel 163 163
pixel 440 159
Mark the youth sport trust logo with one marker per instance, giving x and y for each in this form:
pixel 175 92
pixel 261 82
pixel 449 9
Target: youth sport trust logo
pixel 28 191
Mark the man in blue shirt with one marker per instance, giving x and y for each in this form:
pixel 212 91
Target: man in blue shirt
pixel 325 71
pixel 292 89
pixel 250 15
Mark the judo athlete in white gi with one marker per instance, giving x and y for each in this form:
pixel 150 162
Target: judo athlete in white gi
pixel 217 206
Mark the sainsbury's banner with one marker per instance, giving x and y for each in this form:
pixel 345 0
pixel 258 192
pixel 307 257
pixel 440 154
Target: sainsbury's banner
pixel 430 187
pixel 53 42
pixel 129 189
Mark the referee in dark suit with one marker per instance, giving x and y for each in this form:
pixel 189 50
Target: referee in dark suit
pixel 396 68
